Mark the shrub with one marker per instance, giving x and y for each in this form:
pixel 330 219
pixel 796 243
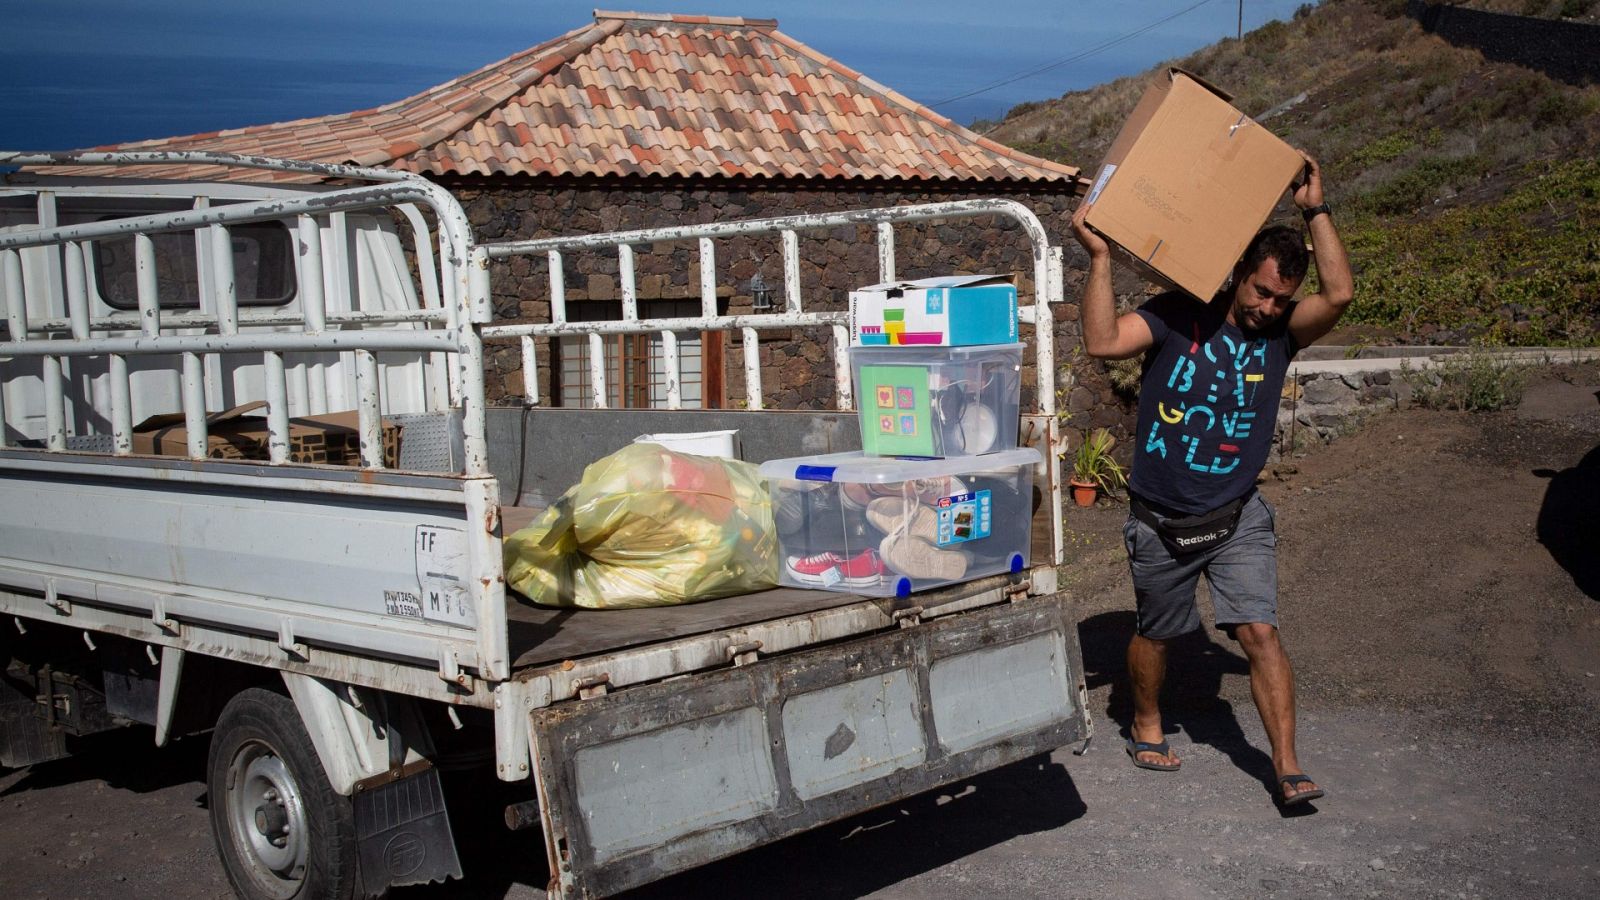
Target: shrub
pixel 1423 183
pixel 1477 380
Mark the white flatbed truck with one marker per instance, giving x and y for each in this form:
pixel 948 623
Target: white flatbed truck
pixel 339 628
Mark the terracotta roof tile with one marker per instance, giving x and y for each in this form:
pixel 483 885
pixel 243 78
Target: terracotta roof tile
pixel 643 95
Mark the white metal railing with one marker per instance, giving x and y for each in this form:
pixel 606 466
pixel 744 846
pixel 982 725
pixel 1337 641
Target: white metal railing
pixel 444 323
pixel 1047 289
pixel 1046 280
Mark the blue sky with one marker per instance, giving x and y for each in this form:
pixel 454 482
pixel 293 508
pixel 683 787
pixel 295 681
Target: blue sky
pixel 85 72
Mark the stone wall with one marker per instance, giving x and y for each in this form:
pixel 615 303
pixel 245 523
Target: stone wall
pixel 1321 403
pixel 797 369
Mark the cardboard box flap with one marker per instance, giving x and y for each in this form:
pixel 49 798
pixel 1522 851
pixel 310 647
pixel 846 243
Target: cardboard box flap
pixel 166 420
pixel 1173 72
pixel 940 281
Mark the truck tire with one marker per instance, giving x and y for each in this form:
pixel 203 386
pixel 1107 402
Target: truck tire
pixel 281 830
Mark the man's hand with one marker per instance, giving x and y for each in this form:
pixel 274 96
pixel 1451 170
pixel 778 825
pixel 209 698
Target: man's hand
pixel 1092 242
pixel 1308 192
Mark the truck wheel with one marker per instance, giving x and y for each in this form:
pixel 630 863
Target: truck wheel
pixel 280 828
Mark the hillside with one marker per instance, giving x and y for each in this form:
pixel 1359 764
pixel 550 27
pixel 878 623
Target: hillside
pixel 1467 190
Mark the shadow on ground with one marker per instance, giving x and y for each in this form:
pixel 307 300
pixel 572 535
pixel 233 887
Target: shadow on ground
pixel 875 850
pixel 863 854
pixel 1191 701
pixel 1569 521
pixel 127 759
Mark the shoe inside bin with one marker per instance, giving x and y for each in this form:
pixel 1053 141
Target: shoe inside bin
pixel 886 527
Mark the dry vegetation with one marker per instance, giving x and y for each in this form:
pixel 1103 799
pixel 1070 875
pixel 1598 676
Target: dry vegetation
pixel 1468 190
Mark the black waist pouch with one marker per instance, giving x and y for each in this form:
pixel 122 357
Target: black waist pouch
pixel 1191 534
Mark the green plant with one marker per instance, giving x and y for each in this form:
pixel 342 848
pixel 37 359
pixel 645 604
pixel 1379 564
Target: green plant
pixel 1093 463
pixel 1571 9
pixel 1125 376
pixel 1475 380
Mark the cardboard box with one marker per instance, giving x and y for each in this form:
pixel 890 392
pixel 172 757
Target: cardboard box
pixel 331 439
pixel 949 311
pixel 335 439
pixel 1188 182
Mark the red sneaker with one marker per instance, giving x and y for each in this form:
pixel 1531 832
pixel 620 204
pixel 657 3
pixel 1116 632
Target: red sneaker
pixel 865 569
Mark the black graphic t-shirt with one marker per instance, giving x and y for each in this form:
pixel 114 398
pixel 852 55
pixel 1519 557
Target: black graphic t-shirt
pixel 1208 403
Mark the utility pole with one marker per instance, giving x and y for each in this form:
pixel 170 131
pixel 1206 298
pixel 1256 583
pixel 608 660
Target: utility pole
pixel 1240 35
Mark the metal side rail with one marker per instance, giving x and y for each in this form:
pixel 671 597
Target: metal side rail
pixel 390 573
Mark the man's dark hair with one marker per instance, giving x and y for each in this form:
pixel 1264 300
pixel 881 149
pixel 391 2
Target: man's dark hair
pixel 1282 243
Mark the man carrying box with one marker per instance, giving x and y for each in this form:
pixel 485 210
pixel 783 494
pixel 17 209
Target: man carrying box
pixel 1208 404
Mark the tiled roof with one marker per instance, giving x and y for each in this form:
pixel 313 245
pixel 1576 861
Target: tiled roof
pixel 638 94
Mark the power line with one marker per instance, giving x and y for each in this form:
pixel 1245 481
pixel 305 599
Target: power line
pixel 1071 59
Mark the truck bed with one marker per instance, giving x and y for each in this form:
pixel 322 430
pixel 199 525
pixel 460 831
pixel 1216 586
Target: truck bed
pixel 541 636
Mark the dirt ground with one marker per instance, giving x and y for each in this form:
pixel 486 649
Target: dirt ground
pixel 1440 597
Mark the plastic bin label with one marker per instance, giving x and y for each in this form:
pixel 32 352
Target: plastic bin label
pixel 963 517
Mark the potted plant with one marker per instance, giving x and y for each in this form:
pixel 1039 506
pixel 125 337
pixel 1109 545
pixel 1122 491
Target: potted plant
pixel 1093 468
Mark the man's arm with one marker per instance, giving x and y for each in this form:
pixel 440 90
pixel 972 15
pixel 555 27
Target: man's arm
pixel 1105 334
pixel 1316 315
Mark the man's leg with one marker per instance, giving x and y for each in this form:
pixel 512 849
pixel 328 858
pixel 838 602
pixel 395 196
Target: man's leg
pixel 1147 669
pixel 1163 588
pixel 1272 687
pixel 1244 588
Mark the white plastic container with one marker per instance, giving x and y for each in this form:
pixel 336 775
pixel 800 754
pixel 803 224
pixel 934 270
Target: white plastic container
pixel 886 527
pixel 937 401
pixel 702 443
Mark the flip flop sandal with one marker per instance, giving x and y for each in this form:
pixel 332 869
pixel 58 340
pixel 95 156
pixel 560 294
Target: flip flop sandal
pixel 1137 747
pixel 1303 796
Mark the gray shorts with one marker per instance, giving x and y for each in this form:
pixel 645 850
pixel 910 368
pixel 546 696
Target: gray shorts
pixel 1242 573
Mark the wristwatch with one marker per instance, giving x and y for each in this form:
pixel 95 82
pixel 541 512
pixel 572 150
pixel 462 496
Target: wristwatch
pixel 1315 211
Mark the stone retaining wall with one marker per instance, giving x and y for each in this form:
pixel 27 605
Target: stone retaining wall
pixel 1329 398
pixel 1319 406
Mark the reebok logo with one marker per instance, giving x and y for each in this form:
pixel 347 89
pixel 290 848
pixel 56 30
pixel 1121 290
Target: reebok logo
pixel 1201 538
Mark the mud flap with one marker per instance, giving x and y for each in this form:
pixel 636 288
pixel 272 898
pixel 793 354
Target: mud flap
pixel 657 779
pixel 404 832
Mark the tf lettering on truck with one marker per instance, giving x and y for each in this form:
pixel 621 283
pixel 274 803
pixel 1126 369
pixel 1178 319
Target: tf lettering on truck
pixel 340 626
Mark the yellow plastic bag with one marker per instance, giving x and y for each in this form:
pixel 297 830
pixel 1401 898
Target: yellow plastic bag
pixel 649 527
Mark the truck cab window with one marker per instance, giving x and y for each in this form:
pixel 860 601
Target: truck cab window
pixel 263 265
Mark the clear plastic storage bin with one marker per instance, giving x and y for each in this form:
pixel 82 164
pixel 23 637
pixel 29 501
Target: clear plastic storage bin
pixel 886 527
pixel 937 401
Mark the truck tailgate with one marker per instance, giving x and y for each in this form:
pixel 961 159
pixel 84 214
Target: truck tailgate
pixel 645 782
